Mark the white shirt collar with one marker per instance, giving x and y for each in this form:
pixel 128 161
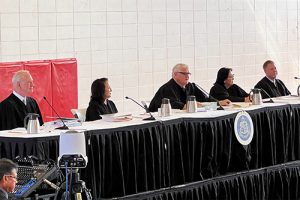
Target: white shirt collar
pixel 19 96
pixel 273 81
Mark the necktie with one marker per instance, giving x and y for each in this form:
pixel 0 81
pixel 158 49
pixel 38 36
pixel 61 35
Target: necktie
pixel 24 101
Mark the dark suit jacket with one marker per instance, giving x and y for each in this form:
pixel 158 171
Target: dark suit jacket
pixel 3 195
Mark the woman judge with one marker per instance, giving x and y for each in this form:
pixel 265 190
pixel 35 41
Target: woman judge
pixel 99 103
pixel 224 88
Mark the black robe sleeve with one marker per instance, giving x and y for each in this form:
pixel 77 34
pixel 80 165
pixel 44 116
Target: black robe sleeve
pixel 282 88
pixel 171 91
pixel 95 109
pixel 234 93
pixel 13 111
pixel 219 92
pixel 33 107
pixel 237 94
pixel 270 90
pixel 177 95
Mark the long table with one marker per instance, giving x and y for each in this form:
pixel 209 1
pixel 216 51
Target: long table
pixel 136 156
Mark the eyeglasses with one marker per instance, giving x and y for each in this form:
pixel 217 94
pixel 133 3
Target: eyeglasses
pixel 185 73
pixel 14 177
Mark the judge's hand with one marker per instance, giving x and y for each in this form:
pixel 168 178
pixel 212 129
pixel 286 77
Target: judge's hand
pixel 199 104
pixel 224 102
pixel 247 99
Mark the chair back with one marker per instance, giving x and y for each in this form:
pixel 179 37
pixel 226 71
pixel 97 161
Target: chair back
pixel 79 113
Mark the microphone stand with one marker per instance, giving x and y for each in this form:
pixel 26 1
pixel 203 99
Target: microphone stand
pixel 209 96
pixel 271 100
pixel 64 127
pixel 151 116
pixel 298 92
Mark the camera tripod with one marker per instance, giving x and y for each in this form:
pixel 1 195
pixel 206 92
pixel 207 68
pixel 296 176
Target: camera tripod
pixel 76 188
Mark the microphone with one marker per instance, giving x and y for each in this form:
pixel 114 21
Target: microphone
pixel 51 184
pixel 269 96
pixel 298 92
pixel 64 127
pixel 144 107
pixel 209 96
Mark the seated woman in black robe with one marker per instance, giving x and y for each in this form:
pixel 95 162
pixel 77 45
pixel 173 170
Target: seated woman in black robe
pixel 99 103
pixel 225 89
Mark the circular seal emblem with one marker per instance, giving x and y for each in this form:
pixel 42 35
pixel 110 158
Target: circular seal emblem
pixel 243 128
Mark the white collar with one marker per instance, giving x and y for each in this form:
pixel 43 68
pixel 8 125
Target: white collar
pixel 19 96
pixel 273 81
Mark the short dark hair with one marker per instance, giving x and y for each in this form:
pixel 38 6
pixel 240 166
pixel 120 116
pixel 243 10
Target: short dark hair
pixel 6 167
pixel 98 89
pixel 223 75
pixel 266 63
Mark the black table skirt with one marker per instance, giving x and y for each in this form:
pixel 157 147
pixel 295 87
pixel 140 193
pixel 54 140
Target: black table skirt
pixel 44 148
pixel 146 157
pixel 275 182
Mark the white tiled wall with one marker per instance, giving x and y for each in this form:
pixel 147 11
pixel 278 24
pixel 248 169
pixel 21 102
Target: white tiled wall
pixel 135 43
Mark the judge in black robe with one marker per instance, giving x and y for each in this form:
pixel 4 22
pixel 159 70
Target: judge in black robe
pixel 272 87
pixel 14 108
pixel 99 103
pixel 224 88
pixel 273 90
pixel 177 89
pixel 13 111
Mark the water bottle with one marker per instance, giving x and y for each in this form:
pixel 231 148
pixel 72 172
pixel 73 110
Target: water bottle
pixel 191 104
pixel 166 107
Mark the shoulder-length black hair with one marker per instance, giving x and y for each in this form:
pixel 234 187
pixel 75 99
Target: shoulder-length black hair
pixel 223 75
pixel 98 89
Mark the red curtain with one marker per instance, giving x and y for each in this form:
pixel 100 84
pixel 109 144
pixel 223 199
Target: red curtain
pixel 6 73
pixel 64 86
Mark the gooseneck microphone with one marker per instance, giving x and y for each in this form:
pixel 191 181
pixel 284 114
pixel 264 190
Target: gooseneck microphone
pixel 64 127
pixel 144 107
pixel 298 89
pixel 269 96
pixel 209 96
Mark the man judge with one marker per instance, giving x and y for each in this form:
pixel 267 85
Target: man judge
pixel 270 84
pixel 178 88
pixel 15 107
